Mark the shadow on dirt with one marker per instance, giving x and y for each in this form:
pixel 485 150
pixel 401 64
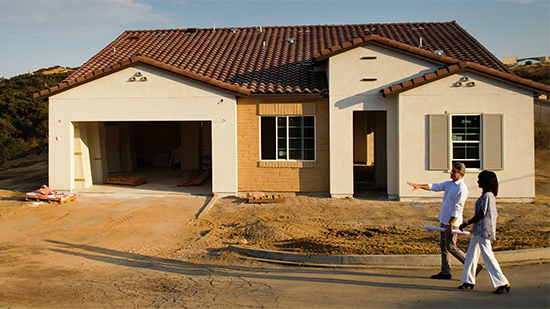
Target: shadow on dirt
pixel 185 268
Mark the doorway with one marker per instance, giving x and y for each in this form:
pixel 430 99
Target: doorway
pixel 369 150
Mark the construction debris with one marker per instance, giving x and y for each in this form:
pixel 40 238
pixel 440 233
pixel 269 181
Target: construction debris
pixel 130 181
pixel 48 195
pixel 273 198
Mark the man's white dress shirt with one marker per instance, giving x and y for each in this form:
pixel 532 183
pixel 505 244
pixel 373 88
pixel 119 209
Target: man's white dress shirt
pixel 456 193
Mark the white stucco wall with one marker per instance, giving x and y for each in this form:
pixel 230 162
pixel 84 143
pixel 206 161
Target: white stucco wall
pixel 488 96
pixel 347 93
pixel 163 97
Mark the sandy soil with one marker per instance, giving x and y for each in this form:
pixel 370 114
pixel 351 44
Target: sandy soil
pixel 327 226
pixel 52 251
pixel 366 226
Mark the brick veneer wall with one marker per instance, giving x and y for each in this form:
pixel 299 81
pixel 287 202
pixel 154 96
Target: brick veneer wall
pixel 281 176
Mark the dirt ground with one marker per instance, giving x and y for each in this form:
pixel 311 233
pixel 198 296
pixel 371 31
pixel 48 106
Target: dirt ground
pixel 301 224
pixel 60 255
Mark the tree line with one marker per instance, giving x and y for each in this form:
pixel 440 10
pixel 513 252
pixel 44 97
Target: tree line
pixel 24 120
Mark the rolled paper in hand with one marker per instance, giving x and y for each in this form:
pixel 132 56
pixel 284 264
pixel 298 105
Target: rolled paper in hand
pixel 459 232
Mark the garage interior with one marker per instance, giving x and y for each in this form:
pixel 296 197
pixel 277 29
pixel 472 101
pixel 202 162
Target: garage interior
pixel 167 153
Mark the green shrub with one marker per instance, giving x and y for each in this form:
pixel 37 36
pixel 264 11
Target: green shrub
pixel 12 148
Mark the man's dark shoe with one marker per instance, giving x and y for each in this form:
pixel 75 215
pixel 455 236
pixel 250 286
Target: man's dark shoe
pixel 441 276
pixel 478 269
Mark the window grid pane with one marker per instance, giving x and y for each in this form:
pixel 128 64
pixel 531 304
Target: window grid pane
pixel 296 138
pixel 281 138
pixel 466 134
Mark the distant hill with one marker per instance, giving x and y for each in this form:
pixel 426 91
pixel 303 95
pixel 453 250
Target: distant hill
pixel 23 120
pixel 538 72
pixel 55 70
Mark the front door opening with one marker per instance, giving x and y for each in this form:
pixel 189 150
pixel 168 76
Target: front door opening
pixel 369 150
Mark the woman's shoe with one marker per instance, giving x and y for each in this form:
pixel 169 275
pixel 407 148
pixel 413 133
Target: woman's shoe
pixel 501 289
pixel 466 286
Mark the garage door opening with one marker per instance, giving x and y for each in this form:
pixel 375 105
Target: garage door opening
pixel 174 156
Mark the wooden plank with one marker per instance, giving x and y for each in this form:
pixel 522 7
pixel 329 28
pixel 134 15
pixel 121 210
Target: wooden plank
pixel 197 179
pixel 273 198
pixel 189 180
pixel 201 178
pixel 131 181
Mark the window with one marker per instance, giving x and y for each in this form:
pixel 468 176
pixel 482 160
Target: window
pixel 475 140
pixel 466 134
pixel 288 138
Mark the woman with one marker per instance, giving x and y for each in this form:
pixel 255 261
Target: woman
pixel 483 234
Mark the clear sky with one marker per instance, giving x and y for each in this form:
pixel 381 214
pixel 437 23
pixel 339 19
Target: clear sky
pixel 37 34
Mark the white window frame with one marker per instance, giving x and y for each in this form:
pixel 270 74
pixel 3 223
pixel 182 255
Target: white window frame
pixel 479 142
pixel 288 139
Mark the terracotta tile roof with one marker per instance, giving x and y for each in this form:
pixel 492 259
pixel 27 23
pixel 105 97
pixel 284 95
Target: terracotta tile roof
pixel 145 60
pixel 460 67
pixel 272 60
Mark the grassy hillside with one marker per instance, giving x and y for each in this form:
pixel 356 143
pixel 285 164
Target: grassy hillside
pixel 23 120
pixel 539 72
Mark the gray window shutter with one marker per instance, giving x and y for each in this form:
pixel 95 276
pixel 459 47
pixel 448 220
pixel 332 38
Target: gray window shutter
pixel 492 142
pixel 438 142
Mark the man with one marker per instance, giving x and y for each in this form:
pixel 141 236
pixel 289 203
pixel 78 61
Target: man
pixel 450 216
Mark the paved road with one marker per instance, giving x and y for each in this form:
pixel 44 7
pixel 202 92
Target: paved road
pixel 385 288
pixel 114 279
pixel 362 288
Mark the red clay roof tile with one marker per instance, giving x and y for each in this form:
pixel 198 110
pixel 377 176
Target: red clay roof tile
pixel 431 75
pixel 407 83
pixel 441 72
pixel 453 67
pixel 418 80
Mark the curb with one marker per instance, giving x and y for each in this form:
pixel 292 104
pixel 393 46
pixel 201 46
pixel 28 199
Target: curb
pixel 407 261
pixel 206 208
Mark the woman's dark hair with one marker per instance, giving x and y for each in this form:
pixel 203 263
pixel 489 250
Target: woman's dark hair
pixel 488 182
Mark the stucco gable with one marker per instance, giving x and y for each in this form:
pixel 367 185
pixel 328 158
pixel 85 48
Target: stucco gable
pixel 366 69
